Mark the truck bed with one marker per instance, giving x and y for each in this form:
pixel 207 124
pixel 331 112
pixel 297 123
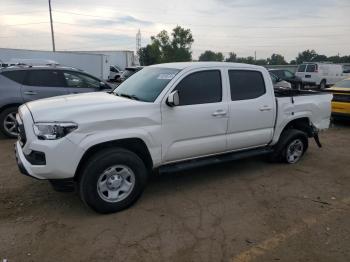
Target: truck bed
pixel 283 92
pixel 295 104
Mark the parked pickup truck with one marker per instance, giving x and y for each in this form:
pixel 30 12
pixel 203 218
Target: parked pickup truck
pixel 166 117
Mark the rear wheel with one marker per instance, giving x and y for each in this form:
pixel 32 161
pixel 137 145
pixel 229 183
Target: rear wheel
pixel 323 84
pixel 291 147
pixel 8 122
pixel 112 180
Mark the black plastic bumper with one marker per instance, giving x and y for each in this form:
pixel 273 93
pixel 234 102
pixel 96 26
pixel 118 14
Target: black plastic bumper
pixel 20 165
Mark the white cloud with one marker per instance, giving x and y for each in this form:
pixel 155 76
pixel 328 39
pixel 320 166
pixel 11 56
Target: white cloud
pixel 242 26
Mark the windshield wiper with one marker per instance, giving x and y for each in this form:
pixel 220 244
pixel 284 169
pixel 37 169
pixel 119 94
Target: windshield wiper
pixel 133 97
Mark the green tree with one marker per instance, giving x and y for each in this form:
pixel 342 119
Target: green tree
pixel 260 62
pixel 211 56
pixel 306 56
pixel 164 48
pixel 276 59
pixel 232 57
pixel 150 55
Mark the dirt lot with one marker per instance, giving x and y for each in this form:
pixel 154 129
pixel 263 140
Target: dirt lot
pixel 242 211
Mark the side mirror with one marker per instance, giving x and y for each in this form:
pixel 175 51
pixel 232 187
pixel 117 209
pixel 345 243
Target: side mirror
pixel 173 99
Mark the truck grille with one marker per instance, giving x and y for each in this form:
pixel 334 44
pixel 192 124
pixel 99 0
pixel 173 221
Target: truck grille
pixel 341 98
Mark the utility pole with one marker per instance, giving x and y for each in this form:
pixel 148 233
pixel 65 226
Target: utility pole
pixel 255 55
pixel 52 34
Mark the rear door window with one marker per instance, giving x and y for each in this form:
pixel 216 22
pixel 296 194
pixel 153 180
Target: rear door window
pixel 18 75
pixel 311 68
pixel 245 84
pixel 50 78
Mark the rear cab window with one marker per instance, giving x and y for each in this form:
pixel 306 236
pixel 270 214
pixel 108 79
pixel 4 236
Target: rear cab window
pixel 17 75
pixel 246 84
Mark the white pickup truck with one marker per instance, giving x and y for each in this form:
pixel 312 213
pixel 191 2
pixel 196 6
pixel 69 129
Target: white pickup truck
pixel 166 117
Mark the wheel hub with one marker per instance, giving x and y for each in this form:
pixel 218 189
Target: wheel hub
pixel 114 182
pixel 10 124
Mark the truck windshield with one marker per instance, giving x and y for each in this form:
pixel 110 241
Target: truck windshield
pixel 146 84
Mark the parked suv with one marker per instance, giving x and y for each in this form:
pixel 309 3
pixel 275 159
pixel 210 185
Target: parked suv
pixel 286 75
pixel 20 84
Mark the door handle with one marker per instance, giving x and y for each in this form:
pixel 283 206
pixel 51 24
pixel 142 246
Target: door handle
pixel 265 108
pixel 219 112
pixel 30 93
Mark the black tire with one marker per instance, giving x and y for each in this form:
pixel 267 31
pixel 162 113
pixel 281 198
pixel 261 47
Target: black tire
pixel 3 116
pixel 323 84
pixel 97 166
pixel 287 138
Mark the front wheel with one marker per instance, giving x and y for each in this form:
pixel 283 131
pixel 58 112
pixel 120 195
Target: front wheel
pixel 112 180
pixel 323 85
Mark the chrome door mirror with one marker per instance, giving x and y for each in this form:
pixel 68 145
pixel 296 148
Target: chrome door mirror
pixel 173 99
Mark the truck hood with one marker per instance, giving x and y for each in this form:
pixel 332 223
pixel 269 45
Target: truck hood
pixel 79 107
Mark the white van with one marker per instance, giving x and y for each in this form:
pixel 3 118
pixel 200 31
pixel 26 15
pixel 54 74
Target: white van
pixel 320 74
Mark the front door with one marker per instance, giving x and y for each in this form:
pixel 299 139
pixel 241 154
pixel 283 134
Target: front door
pixel 197 127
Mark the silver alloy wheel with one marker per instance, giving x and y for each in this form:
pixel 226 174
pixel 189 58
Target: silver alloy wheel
pixel 116 183
pixel 10 124
pixel 294 151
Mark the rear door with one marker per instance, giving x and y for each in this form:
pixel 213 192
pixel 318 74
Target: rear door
pixel 251 109
pixel 77 82
pixel 42 83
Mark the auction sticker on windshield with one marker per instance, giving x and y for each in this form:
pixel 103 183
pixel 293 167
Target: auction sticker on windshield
pixel 166 76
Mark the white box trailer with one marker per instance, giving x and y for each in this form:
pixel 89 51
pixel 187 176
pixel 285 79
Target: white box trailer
pixel 121 59
pixel 96 63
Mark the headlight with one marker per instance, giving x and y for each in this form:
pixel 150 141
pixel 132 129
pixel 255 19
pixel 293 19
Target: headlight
pixel 53 130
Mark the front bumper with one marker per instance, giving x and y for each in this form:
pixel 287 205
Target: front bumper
pixel 62 156
pixel 20 158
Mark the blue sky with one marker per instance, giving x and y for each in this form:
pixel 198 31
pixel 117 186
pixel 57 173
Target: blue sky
pixel 242 26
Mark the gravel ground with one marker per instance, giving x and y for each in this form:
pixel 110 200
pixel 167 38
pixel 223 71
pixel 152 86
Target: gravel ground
pixel 241 211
